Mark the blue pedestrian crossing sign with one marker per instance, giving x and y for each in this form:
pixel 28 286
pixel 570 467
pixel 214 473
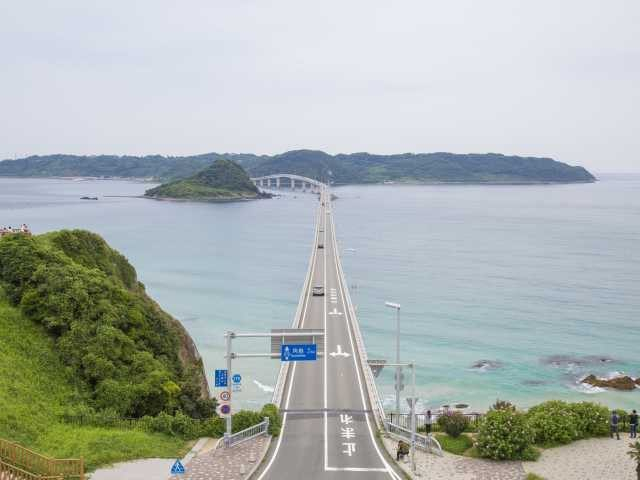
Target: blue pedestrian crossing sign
pixel 221 377
pixel 236 378
pixel 177 468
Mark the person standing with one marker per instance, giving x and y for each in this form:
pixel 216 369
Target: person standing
pixel 633 424
pixel 613 424
pixel 427 422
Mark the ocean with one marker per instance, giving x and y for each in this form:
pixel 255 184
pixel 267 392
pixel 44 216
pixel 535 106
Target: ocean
pixel 511 292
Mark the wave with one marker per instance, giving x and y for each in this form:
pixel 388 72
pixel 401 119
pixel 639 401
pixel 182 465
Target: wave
pixel 263 387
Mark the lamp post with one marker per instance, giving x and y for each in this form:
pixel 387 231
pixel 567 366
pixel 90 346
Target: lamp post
pixel 398 369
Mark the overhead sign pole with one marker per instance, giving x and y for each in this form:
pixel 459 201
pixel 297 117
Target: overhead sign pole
pixel 305 348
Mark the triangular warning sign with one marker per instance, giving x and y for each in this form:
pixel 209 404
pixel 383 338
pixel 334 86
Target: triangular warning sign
pixel 177 468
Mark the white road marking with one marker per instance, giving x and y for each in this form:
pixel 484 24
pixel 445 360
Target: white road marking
pixel 335 312
pixel 293 372
pixel 388 468
pixel 339 353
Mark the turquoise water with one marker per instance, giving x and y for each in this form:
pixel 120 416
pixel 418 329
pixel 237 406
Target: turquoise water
pixel 540 282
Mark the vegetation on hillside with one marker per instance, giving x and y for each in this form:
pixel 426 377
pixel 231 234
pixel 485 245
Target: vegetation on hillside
pixel 340 169
pixel 37 389
pixel 223 180
pixel 125 352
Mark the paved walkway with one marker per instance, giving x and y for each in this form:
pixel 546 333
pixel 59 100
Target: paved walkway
pixel 455 467
pixel 233 463
pixel 204 463
pixel 593 459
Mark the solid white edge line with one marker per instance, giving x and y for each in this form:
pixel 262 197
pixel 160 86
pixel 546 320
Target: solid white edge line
pixel 389 469
pixel 326 379
pixel 293 372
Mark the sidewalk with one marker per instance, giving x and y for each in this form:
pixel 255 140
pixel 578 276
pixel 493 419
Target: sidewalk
pixel 204 462
pixel 233 463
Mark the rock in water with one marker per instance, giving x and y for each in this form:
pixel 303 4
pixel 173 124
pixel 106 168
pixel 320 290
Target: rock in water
pixel 619 383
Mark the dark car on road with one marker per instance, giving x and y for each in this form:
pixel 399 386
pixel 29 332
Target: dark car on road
pixel 318 291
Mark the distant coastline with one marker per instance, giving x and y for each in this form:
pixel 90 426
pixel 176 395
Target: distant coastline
pixel 340 169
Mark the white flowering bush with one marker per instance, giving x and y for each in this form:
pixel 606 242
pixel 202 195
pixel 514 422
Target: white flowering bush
pixel 553 422
pixel 592 419
pixel 505 435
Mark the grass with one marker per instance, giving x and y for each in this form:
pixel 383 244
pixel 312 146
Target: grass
pixel 533 476
pixel 36 390
pixel 457 446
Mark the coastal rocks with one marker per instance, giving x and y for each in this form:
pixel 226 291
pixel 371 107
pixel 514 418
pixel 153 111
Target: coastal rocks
pixel 623 382
pixel 568 361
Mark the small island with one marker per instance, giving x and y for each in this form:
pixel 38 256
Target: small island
pixel 224 180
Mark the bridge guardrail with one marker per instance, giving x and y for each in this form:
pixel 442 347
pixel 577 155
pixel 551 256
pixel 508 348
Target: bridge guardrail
pixel 278 390
pixel 247 434
pixel 372 389
pixel 425 442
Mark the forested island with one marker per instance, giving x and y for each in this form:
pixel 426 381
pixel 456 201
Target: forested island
pixel 224 180
pixel 356 168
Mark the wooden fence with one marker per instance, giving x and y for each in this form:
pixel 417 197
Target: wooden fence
pixel 21 463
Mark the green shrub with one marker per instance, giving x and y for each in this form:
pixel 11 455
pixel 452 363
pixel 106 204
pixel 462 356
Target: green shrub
pixel 245 419
pixel 453 423
pixel 505 435
pixel 553 422
pixel 592 420
pixel 503 405
pixel 275 421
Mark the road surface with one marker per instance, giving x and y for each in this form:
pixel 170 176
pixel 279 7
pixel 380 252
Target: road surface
pixel 328 431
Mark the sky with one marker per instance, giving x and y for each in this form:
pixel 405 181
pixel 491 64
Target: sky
pixel 559 79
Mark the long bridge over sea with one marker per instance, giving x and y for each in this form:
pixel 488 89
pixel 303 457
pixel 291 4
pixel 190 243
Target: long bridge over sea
pixel 331 408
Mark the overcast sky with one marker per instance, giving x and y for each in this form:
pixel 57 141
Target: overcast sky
pixel 558 78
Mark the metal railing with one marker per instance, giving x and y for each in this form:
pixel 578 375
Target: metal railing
pixel 278 391
pixel 425 442
pixel 247 434
pixel 372 389
pixel 41 466
pixel 404 420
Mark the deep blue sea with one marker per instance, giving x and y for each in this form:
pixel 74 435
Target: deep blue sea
pixel 511 292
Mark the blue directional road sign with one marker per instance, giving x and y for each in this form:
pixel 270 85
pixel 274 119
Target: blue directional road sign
pixel 236 378
pixel 177 468
pixel 222 379
pixel 293 352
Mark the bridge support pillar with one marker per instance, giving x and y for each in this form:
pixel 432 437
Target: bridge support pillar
pixel 278 183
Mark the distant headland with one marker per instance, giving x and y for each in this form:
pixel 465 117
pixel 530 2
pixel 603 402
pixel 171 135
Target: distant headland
pixel 355 168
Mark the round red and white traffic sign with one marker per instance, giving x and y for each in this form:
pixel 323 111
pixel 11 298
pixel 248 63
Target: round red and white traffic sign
pixel 225 396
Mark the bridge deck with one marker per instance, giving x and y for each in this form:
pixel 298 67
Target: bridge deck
pixel 328 428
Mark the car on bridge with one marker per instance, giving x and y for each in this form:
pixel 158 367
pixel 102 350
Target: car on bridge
pixel 318 291
pixel 321 245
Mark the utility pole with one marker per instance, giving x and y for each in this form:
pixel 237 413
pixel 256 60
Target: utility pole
pixel 398 368
pixel 229 336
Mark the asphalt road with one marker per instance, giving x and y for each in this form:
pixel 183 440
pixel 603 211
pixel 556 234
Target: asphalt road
pixel 328 430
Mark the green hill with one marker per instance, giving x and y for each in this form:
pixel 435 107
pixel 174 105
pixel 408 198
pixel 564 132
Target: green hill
pixel 340 169
pixel 223 180
pixel 126 353
pixel 38 388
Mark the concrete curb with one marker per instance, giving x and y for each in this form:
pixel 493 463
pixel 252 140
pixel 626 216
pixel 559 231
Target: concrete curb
pixel 259 461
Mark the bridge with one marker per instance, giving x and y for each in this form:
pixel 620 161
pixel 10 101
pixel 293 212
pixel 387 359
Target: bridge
pixel 290 181
pixel 331 409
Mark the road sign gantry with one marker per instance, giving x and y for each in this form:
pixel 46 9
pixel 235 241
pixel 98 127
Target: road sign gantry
pixel 305 338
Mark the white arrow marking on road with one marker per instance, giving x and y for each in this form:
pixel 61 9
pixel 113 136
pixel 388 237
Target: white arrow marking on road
pixel 339 353
pixel 335 312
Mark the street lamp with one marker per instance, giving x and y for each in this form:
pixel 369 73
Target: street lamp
pixel 398 369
